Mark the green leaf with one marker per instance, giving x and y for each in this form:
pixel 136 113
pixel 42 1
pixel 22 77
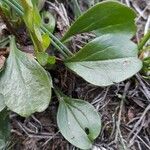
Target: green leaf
pixel 45 41
pixel 106 60
pixel 43 58
pixel 111 57
pixel 78 122
pixel 5 8
pixel 105 17
pixel 48 21
pixel 51 60
pixel 25 85
pixel 146 66
pixel 41 42
pixel 4 129
pixel 33 22
pixel 39 3
pixel 31 14
pixel 2 103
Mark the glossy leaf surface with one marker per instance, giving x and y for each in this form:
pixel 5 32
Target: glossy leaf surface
pixel 111 57
pixel 106 60
pixel 105 17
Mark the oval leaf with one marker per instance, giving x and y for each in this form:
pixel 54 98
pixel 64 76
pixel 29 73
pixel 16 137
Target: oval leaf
pixel 25 85
pixel 78 122
pixel 106 60
pixel 105 17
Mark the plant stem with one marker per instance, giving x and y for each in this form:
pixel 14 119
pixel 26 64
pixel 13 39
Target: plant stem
pixel 19 10
pixel 55 41
pixel 4 40
pixel 144 41
pixel 77 7
pixel 17 4
pixel 58 93
pixel 146 49
pixel 14 6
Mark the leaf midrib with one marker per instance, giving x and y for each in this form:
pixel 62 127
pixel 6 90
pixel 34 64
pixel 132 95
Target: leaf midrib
pixel 67 105
pixel 102 61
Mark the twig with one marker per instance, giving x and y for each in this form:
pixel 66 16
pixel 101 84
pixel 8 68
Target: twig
pixel 62 13
pixel 138 137
pixel 36 120
pixel 118 131
pixel 138 130
pixel 139 10
pixel 50 138
pixel 32 135
pixel 139 121
pixel 145 90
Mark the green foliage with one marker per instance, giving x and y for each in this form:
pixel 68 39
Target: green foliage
pixel 103 18
pixel 2 103
pixel 107 59
pixel 48 20
pixel 10 15
pixel 5 8
pixel 33 22
pixel 78 121
pixel 25 87
pixel 44 59
pixel 146 66
pixel 39 3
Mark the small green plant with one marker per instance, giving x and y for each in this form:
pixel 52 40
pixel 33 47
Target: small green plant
pixel 26 87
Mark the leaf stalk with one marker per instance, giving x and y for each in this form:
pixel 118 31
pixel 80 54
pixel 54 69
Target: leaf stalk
pixel 144 41
pixel 55 41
